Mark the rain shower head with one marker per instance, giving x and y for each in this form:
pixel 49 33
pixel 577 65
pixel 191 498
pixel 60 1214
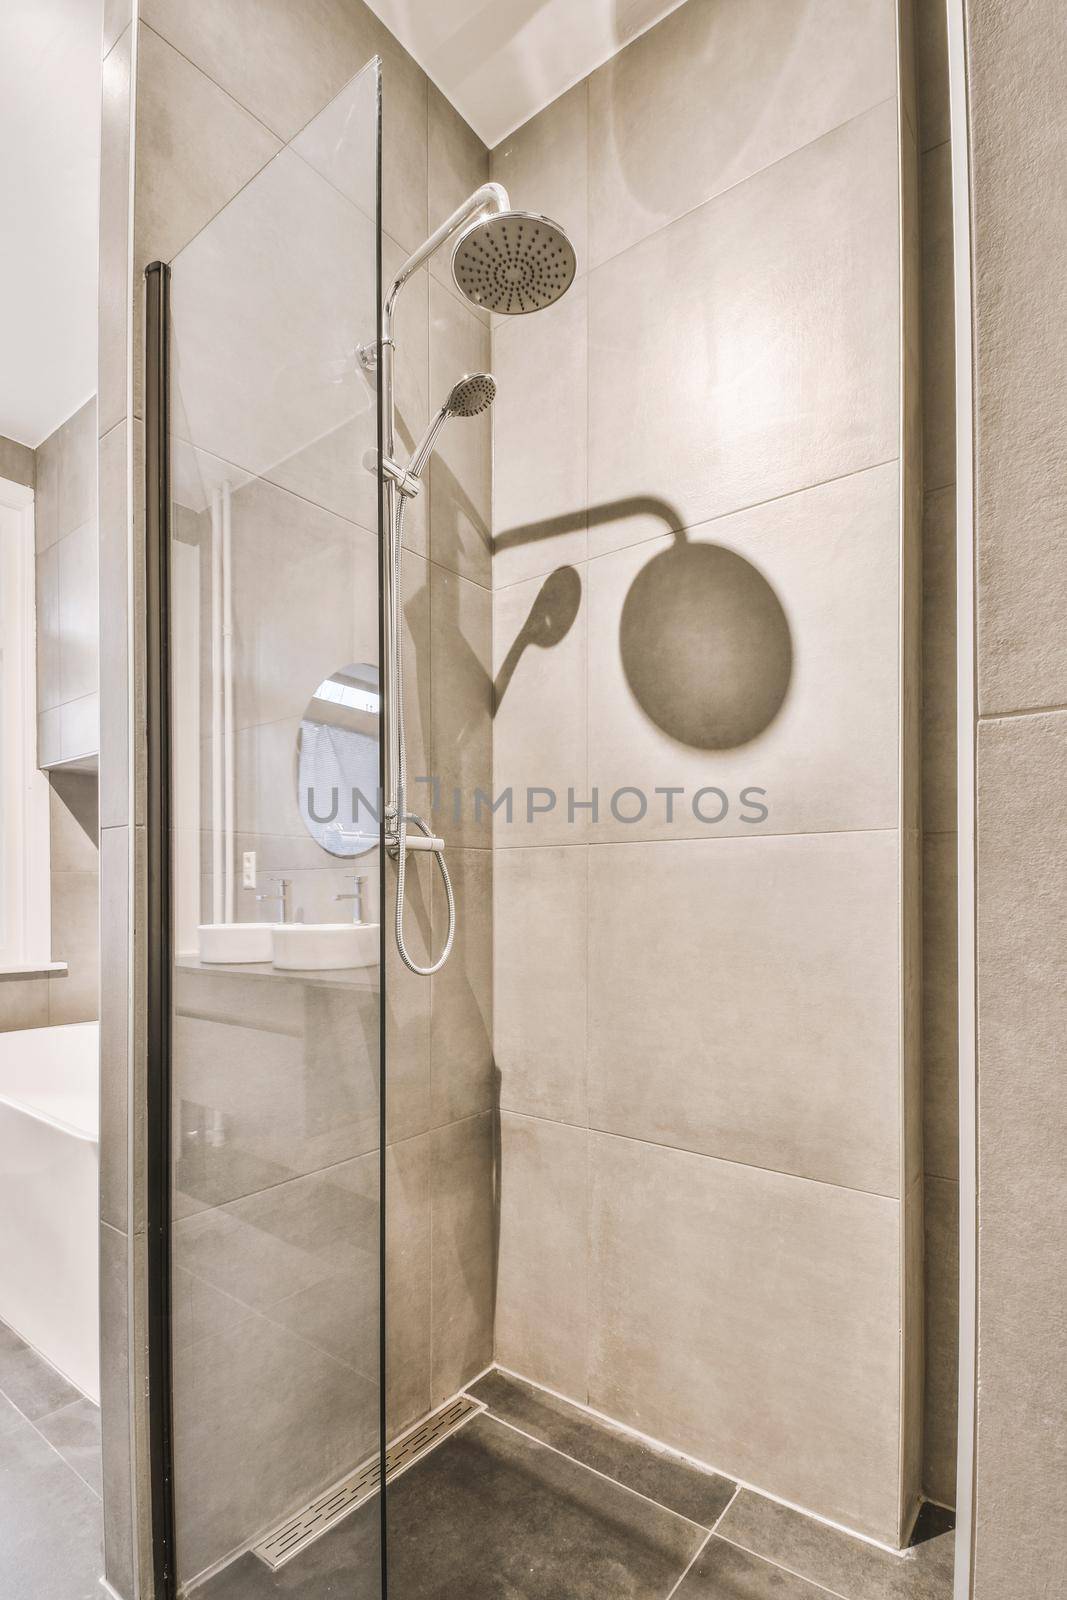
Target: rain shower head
pixel 470 396
pixel 513 262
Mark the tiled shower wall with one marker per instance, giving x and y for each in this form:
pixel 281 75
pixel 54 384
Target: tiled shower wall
pixel 217 94
pixel 940 1053
pixel 62 471
pixel 706 1035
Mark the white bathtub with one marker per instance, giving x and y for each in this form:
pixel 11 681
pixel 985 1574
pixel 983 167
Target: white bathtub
pixel 49 1195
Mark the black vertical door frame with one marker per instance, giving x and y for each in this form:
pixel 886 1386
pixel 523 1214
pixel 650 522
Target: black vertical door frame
pixel 157 931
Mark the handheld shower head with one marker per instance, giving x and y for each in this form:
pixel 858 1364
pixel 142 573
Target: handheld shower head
pixel 513 262
pixel 470 396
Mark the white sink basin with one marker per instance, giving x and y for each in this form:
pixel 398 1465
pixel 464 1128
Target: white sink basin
pixel 325 946
pixel 235 942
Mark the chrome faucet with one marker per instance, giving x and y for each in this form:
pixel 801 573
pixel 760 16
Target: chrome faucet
pixel 281 895
pixel 359 882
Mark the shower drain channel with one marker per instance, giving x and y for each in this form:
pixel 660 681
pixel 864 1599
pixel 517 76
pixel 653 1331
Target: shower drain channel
pixel 322 1514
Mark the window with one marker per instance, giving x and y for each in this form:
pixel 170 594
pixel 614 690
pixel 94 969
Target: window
pixel 24 794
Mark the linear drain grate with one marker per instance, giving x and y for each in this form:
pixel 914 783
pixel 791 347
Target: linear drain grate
pixel 299 1531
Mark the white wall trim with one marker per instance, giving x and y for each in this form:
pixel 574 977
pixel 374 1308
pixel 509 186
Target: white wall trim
pixel 966 723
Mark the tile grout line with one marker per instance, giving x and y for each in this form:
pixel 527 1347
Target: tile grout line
pixel 819 1588
pixel 711 1535
pixel 45 1440
pixel 493 1417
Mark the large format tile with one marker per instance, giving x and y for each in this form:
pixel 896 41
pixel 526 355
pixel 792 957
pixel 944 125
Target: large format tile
pixel 74 1432
pixel 28 1381
pixel 670 1481
pixel 264 338
pixel 114 1025
pixel 460 470
pixel 77 470
pixel 931 64
pixel 782 1299
pixel 941 1351
pixel 724 658
pixel 196 147
pixel 1022 1199
pixel 461 1003
pixel 457 164
pixel 939 796
pixel 544 167
pixel 51 1545
pixel 723 1572
pixel 540 709
pixel 938 325
pixel 115 1410
pixel 114 286
pixel 345 1562
pixel 775 961
pixel 407 1282
pixel 540 937
pixel 715 93
pixel 79 623
pixel 777 367
pixel 831 1559
pixel 463 1252
pixel 540 488
pixel 543 1252
pixel 490 1512
pixel 273 1079
pixel 462 702
pixel 940 1007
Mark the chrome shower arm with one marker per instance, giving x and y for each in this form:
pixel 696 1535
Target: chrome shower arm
pixel 489 198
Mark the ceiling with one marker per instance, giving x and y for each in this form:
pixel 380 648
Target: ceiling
pixel 501 61
pixel 49 184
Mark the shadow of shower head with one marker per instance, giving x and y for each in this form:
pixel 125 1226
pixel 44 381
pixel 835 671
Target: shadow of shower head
pixel 472 395
pixel 513 262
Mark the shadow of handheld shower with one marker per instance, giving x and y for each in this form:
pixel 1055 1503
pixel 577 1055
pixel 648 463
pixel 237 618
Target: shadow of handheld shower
pixel 704 641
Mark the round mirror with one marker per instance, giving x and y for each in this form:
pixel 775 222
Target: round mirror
pixel 337 762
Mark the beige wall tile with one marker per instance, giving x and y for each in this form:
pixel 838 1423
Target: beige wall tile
pixel 931 60
pixel 112 579
pixel 407 1222
pixel 46 493
pixel 940 1018
pixel 457 164
pixel 938 331
pixel 463 1252
pixel 74 996
pixel 540 934
pixel 119 1561
pixel 196 147
pixel 539 722
pixel 79 618
pixel 18 464
pixel 781 343
pixel 461 1004
pixel 775 961
pixel 939 798
pixel 942 1340
pixel 717 92
pixel 542 1288
pixel 540 488
pixel 79 726
pixel 288 1069
pixel 544 165
pixel 250 300
pixel 782 1300
pixel 725 659
pixel 461 688
pixel 114 1029
pixel 1022 1206
pixel 77 470
pixel 114 272
pixel 49 668
pixel 460 472
pixel 23 1003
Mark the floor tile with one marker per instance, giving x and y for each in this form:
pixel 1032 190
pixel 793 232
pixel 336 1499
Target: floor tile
pixel 28 1381
pixel 845 1566
pixel 491 1514
pixel 342 1564
pixel 724 1572
pixel 50 1521
pixel 74 1431
pixel 700 1496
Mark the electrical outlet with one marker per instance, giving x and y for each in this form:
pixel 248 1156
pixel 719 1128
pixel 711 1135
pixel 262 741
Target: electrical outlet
pixel 248 870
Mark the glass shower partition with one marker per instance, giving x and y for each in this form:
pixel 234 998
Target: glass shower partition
pixel 271 986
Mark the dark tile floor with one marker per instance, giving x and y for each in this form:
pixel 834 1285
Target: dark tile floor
pixel 537 1501
pixel 50 1515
